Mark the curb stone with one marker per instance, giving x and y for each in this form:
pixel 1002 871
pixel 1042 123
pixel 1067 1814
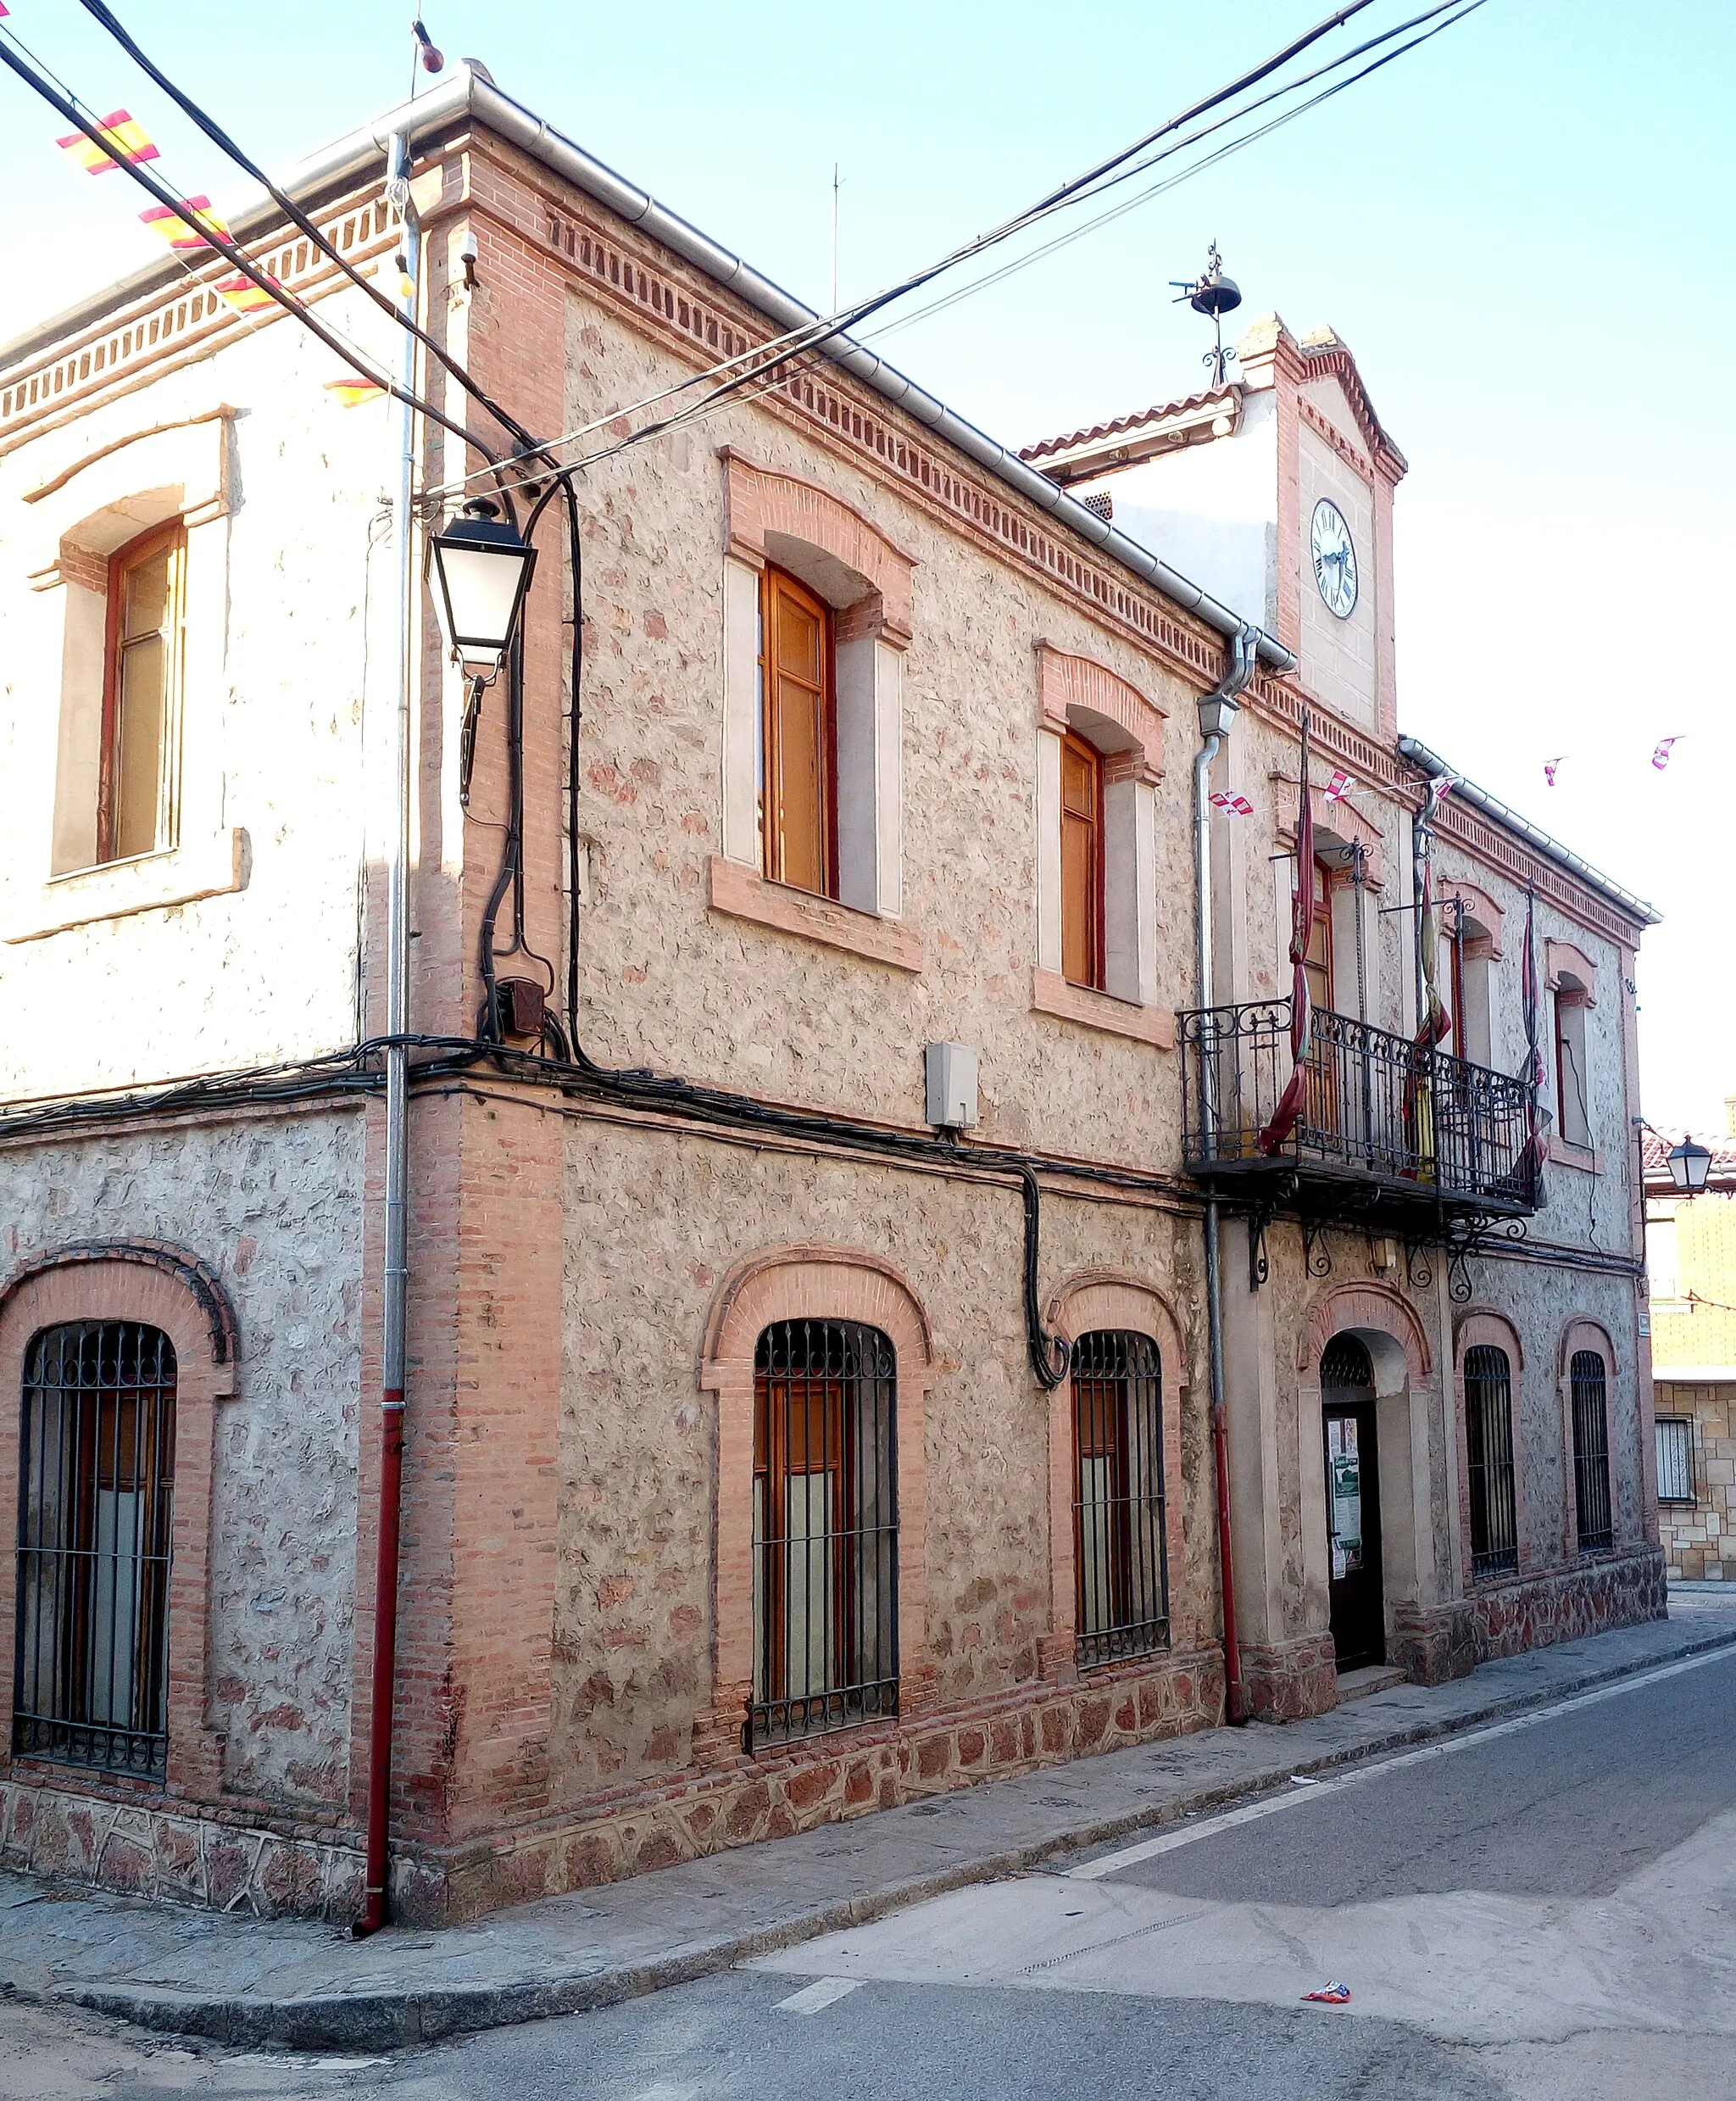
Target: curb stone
pixel 385 2019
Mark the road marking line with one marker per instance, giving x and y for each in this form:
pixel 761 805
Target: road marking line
pixel 1187 1835
pixel 821 1994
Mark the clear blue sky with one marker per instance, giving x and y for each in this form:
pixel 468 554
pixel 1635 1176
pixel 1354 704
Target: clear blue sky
pixel 1522 231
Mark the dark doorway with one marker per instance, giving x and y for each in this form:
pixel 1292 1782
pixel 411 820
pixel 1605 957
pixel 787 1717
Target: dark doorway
pixel 1353 1504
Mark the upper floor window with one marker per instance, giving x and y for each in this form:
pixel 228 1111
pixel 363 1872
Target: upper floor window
pixel 98 1480
pixel 1488 1451
pixel 1118 1497
pixel 1081 862
pixel 825 1529
pixel 1591 1450
pixel 141 675
pixel 797 770
pixel 1319 962
pixel 1573 1093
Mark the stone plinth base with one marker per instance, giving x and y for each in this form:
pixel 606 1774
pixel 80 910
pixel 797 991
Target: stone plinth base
pixel 1434 1643
pixel 822 1781
pixel 1290 1681
pixel 221 1862
pixel 178 1853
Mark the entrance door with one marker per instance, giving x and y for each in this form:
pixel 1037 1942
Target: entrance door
pixel 1353 1504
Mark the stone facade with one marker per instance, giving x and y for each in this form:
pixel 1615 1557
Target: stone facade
pixel 594 1261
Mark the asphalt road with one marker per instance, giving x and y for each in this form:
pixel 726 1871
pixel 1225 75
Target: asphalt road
pixel 1542 1911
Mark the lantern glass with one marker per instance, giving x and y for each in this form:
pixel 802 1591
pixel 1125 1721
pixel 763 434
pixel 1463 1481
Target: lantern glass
pixel 481 569
pixel 1689 1165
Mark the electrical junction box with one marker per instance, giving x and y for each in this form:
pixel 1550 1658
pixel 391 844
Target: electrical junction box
pixel 952 1085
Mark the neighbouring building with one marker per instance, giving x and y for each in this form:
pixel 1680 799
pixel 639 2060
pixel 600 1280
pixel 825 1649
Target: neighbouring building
pixel 810 1366
pixel 1691 1259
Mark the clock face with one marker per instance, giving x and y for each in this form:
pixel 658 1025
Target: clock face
pixel 1334 559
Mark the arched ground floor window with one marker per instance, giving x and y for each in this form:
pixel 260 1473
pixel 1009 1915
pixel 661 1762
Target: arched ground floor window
pixel 1489 1452
pixel 96 1506
pixel 826 1528
pixel 1118 1497
pixel 1591 1450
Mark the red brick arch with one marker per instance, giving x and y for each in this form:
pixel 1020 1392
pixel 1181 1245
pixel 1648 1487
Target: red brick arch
pixel 1582 1333
pixel 165 1289
pixel 1074 692
pixel 807 1283
pixel 758 500
pixel 1376 1306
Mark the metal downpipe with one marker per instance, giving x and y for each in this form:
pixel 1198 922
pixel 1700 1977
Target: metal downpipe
pixel 1217 711
pixel 395 1276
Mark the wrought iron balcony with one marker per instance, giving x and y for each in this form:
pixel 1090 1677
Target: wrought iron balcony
pixel 1386 1128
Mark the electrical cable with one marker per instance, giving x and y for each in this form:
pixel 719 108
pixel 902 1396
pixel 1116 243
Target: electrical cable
pixel 286 204
pixel 351 355
pixel 795 341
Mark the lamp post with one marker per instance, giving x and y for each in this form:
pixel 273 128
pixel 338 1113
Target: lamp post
pixel 1690 1164
pixel 481 571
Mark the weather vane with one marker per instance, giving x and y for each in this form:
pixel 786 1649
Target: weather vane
pixel 1215 295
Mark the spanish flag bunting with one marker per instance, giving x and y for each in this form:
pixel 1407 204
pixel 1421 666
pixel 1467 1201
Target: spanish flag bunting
pixel 127 138
pixel 186 226
pixel 354 393
pixel 244 295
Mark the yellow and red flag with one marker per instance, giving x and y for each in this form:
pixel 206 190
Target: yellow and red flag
pixel 186 226
pixel 244 295
pixel 354 393
pixel 128 140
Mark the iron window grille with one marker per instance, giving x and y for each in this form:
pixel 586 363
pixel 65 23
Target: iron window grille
pixel 1489 1446
pixel 826 1529
pixel 1675 1441
pixel 1118 1498
pixel 1591 1452
pixel 94 1515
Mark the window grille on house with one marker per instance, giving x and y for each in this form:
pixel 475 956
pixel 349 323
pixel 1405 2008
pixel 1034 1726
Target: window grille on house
pixel 97 1472
pixel 1489 1445
pixel 1675 1440
pixel 1591 1450
pixel 1118 1497
pixel 825 1529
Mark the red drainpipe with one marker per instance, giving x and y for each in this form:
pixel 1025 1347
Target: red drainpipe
pixel 1235 1697
pixel 385 1661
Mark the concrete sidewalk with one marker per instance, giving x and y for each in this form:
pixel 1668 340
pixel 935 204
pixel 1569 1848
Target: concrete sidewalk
pixel 305 1985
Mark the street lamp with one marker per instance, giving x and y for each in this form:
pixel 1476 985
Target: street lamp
pixel 1689 1165
pixel 482 569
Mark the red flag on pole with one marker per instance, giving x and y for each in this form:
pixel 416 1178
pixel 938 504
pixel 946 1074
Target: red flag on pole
pixel 1290 1107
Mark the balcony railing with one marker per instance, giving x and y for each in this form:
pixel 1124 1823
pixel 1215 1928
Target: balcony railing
pixel 1379 1111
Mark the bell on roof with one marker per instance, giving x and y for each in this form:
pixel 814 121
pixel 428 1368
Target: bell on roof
pixel 1213 295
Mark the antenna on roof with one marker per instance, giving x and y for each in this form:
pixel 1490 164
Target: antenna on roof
pixel 1215 295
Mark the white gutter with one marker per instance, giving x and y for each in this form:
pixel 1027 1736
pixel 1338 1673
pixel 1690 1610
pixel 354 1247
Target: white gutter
pixel 1431 763
pixel 467 92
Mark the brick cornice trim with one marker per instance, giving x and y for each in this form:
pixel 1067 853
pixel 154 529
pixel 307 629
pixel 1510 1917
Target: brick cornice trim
pixel 1367 1305
pixel 202 1281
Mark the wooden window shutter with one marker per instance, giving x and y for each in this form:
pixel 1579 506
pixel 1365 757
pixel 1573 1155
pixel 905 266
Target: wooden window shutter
pixel 1082 863
pixel 800 738
pixel 135 812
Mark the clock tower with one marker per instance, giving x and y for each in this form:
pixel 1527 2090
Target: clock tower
pixel 1274 491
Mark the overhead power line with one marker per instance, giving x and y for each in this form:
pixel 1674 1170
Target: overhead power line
pixel 753 369
pixel 286 204
pixel 359 360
